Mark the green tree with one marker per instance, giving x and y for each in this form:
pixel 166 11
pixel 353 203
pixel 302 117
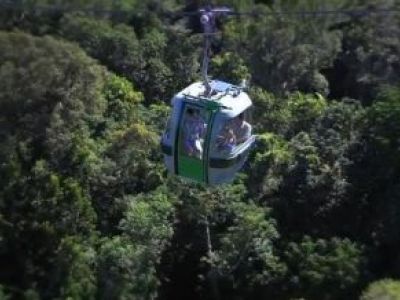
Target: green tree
pixel 43 207
pixel 243 260
pixel 316 186
pixel 285 54
pixel 155 67
pixel 382 289
pixel 268 162
pixel 323 269
pixel 374 177
pixel 115 46
pixel 287 115
pixel 127 263
pixel 3 294
pixel 58 92
pixel 47 159
pixel 370 55
pixel 122 100
pixel 77 260
pixel 229 67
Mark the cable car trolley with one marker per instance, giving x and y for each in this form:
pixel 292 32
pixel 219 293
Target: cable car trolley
pixel 208 138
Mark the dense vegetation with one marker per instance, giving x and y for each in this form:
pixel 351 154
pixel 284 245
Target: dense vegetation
pixel 87 210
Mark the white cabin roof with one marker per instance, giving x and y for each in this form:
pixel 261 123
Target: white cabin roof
pixel 226 94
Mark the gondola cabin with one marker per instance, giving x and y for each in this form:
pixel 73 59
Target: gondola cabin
pixel 207 139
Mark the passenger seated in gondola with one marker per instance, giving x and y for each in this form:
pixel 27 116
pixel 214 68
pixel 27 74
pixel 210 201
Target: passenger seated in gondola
pixel 234 133
pixel 241 128
pixel 226 141
pixel 194 129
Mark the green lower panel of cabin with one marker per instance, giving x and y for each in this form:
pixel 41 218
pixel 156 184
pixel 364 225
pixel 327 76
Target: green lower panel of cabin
pixel 191 167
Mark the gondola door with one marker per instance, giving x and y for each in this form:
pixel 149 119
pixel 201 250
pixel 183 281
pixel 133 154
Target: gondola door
pixel 191 147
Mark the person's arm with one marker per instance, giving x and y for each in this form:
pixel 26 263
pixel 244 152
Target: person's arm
pixel 246 134
pixel 234 139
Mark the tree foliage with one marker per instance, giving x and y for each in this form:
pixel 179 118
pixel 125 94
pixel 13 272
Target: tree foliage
pixel 87 210
pixel 382 289
pixel 323 269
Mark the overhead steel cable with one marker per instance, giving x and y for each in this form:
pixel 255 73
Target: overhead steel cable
pixel 329 12
pixel 63 8
pixel 352 12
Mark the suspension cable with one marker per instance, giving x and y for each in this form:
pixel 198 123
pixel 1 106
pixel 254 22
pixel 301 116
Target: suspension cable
pixel 21 5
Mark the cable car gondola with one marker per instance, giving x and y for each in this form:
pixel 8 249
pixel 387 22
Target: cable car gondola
pixel 197 143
